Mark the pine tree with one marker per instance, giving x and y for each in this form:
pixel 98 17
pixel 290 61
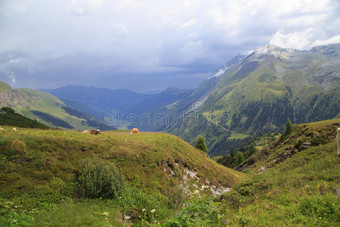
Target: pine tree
pixel 232 152
pixel 288 130
pixel 200 143
pixel 252 149
pixel 239 158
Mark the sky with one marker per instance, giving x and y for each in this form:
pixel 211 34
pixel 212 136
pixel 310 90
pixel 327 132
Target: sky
pixel 148 45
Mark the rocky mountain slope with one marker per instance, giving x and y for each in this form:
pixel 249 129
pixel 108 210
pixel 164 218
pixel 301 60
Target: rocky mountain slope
pixel 259 92
pixel 292 182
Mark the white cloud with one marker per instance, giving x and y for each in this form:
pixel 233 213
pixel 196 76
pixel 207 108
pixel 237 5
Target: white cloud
pixel 332 40
pixel 297 40
pixel 150 36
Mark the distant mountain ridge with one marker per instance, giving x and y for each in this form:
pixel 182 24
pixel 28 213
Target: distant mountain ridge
pixel 102 99
pixel 47 109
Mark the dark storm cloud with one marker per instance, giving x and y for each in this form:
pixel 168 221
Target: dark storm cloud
pixel 148 45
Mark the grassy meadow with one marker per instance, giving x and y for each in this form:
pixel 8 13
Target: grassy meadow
pixel 40 169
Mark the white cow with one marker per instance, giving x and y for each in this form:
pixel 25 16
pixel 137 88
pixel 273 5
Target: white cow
pixel 14 129
pixel 338 140
pixel 1 128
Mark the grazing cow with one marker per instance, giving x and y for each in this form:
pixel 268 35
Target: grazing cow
pixel 1 128
pixel 14 129
pixel 91 131
pixel 134 130
pixel 338 140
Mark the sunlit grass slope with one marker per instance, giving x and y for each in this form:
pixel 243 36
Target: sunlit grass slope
pixel 295 181
pixel 38 166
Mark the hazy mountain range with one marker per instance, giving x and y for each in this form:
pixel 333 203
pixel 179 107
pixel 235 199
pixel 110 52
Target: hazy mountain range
pixel 249 95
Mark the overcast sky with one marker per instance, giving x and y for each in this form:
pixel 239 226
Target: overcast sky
pixel 148 45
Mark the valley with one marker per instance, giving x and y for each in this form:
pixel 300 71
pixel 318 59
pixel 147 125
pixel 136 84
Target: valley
pixel 269 119
pixel 250 95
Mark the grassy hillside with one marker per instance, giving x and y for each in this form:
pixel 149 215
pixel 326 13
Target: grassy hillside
pixel 47 108
pixel 295 181
pixel 258 95
pixel 9 117
pixel 40 169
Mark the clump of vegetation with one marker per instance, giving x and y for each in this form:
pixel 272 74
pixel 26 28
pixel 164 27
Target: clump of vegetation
pixel 200 144
pixel 99 179
pixel 288 130
pixel 9 117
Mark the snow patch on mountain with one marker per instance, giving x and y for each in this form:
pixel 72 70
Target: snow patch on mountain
pixel 274 51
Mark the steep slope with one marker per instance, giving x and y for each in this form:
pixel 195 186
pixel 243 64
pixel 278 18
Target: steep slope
pixel 48 109
pixel 294 182
pixel 9 117
pixel 261 91
pixel 165 170
pixel 303 137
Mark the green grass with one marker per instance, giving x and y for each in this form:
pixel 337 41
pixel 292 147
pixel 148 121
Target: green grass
pixel 39 168
pixel 4 86
pixel 301 190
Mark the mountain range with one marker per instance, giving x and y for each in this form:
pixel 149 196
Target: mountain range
pixel 248 96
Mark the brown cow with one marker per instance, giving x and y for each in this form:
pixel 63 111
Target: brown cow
pixel 91 131
pixel 134 130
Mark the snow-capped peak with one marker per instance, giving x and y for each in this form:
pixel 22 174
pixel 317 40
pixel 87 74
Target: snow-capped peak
pixel 274 50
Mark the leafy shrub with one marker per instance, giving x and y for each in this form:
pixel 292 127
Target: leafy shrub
pixel 9 215
pixel 232 199
pixel 99 179
pixel 198 213
pixel 138 204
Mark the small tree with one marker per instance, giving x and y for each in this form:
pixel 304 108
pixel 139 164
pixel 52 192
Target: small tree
pixel 200 143
pixel 288 129
pixel 252 149
pixel 239 158
pixel 232 152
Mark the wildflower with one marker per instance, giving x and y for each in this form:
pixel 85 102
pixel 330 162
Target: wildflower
pixel 143 210
pixel 153 211
pixel 106 213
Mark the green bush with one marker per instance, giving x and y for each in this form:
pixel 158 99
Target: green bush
pixel 143 207
pixel 200 143
pixel 99 179
pixel 198 213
